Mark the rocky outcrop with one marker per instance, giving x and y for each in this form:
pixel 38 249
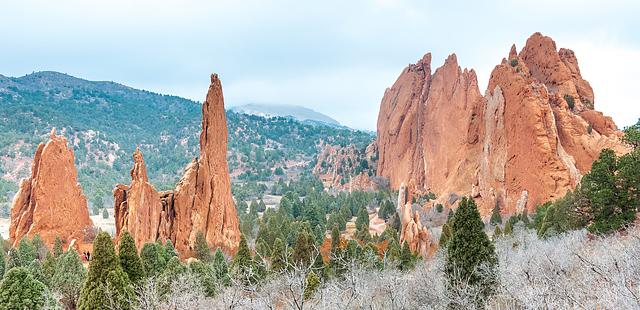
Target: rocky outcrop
pixel 529 139
pixel 50 202
pixel 202 200
pixel 411 230
pixel 347 167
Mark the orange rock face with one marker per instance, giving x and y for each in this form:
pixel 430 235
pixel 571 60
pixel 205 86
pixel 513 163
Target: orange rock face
pixel 202 200
pixel 411 229
pixel 528 140
pixel 50 202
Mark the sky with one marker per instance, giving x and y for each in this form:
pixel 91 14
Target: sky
pixel 334 56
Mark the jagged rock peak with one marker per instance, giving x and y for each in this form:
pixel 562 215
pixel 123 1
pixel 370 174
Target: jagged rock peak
pixel 528 140
pixel 50 202
pixel 202 200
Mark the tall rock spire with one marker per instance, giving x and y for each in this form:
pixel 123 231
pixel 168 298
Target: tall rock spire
pixel 202 201
pixel 50 202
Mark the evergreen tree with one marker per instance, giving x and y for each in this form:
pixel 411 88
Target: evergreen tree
pixel 20 290
pixel 525 218
pixel 27 252
pixel 243 262
pixel 107 286
pixel 612 198
pixel 202 251
pixel 469 250
pixel 57 247
pixel 406 258
pixel 362 219
pixel 129 260
pixel 14 260
pixel 445 235
pixel 508 228
pixel 105 213
pixel 312 283
pixel 496 218
pixel 68 278
pixel 49 265
pixel 393 250
pixel 387 209
pixel 206 275
pixel 169 251
pixel 35 268
pixel 303 249
pixel 39 246
pixel 497 232
pixel 278 259
pixel 221 268
pixel 363 234
pixel 3 264
pixel 152 259
pixel 335 239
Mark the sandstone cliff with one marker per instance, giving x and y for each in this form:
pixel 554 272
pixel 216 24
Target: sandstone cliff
pixel 202 200
pixel 528 140
pixel 50 202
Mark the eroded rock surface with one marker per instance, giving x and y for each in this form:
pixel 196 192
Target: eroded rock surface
pixel 534 131
pixel 411 230
pixel 201 201
pixel 50 202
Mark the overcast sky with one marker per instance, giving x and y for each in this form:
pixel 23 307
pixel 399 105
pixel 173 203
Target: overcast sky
pixel 336 57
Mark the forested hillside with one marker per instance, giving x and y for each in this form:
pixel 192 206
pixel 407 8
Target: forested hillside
pixel 105 121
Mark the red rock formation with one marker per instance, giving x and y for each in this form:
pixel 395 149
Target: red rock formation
pixel 341 168
pixel 518 146
pixel 411 229
pixel 50 202
pixel 202 200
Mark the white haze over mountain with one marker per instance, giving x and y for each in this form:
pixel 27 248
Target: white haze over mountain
pixel 335 57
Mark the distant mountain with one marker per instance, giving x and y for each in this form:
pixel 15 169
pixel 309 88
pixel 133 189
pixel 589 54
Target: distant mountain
pixel 105 121
pixel 298 113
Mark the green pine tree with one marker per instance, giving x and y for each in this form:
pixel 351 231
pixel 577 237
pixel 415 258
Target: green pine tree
pixel 335 239
pixel 303 249
pixel 27 252
pixel 152 258
pixel 49 265
pixel 35 268
pixel 106 282
pixel 362 218
pixel 406 258
pixel 3 264
pixel 221 268
pixel 202 250
pixel 129 260
pixel 496 218
pixel 508 228
pixel 57 247
pixel 278 259
pixel 312 283
pixel 68 277
pixel 445 235
pixel 170 250
pixel 497 233
pixel 243 262
pixel 469 250
pixel 20 290
pixel 39 246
